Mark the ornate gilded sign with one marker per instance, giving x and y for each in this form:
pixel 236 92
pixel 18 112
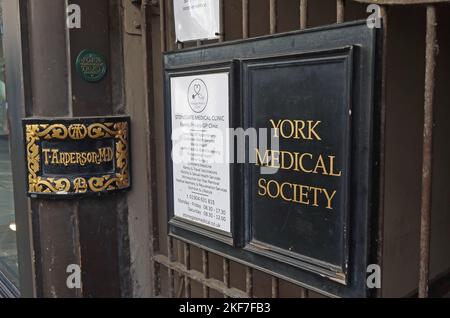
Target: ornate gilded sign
pixel 77 156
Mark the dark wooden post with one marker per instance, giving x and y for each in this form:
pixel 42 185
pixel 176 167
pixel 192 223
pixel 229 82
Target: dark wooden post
pixel 91 233
pixel 55 223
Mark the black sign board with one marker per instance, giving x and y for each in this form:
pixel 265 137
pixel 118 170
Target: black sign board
pixel 76 157
pixel 307 192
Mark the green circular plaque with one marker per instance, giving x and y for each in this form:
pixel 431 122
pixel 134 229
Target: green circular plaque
pixel 91 66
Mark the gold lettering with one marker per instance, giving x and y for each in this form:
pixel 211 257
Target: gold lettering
pixel 273 196
pixel 307 163
pixel 304 194
pixel 297 193
pixel 262 186
pixel 109 154
pixel 55 157
pixel 316 191
pixel 299 130
pixel 302 167
pixel 67 157
pixel 283 160
pixel 55 160
pixel 311 130
pixel 329 198
pixel 84 158
pixel 292 129
pixel 332 173
pixel 79 159
pixel 321 166
pixel 282 191
pixel 46 152
pixel 275 159
pixel 264 161
pixel 286 160
pixel 276 127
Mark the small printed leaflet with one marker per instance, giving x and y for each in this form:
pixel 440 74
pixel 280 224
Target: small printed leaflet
pixel 196 19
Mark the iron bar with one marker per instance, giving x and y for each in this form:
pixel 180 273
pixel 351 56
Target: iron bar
pixel 382 147
pixel 187 263
pixel 147 37
pixel 340 11
pixel 273 16
pixel 304 293
pixel 222 21
pixel 427 164
pixel 197 276
pixel 171 274
pixel 275 287
pixel 303 14
pixel 162 24
pixel 226 273
pixel 205 268
pixel 170 31
pixel 249 281
pixel 245 19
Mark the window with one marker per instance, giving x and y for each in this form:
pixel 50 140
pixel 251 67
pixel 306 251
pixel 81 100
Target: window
pixel 8 247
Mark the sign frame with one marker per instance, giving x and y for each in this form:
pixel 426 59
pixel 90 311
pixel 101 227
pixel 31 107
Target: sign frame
pixel 76 130
pixel 235 236
pixel 364 181
pixel 345 55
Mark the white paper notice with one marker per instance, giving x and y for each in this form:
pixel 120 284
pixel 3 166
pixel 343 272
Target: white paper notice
pixel 201 170
pixel 196 19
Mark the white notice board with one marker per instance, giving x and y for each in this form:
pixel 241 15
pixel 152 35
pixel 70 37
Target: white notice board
pixel 200 152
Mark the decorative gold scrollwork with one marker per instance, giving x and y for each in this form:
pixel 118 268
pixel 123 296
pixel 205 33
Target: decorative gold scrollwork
pixel 80 185
pixel 32 156
pixel 77 131
pixel 122 154
pixel 96 131
pixel 57 131
pixel 102 184
pixel 52 185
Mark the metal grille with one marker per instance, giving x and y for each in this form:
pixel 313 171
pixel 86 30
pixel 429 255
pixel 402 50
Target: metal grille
pixel 177 259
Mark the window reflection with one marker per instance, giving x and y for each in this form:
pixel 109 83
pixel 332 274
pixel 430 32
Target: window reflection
pixel 8 248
